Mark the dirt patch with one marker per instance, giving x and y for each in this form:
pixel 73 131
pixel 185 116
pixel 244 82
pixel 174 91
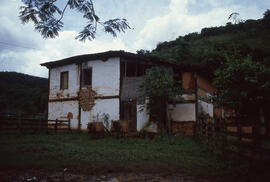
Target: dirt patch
pixel 65 176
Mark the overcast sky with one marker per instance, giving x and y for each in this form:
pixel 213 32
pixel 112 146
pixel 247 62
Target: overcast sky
pixel 22 49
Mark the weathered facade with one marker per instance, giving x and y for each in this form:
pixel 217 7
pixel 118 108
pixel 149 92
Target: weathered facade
pixel 89 87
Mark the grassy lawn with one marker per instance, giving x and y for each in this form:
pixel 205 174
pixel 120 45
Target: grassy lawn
pixel 80 153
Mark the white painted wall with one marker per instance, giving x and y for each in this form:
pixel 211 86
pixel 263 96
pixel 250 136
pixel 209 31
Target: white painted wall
pixel 105 76
pixel 142 117
pixel 107 106
pixel 60 110
pixel 105 81
pixel 73 83
pixel 183 112
pixel 206 108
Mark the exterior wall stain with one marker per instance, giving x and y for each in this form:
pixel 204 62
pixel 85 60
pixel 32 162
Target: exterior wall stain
pixel 105 81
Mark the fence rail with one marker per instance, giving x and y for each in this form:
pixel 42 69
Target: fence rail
pixel 22 125
pixel 244 139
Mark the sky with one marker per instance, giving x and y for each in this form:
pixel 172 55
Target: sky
pixel 22 49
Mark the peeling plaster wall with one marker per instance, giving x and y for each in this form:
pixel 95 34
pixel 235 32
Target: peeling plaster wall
pixel 183 112
pixel 206 108
pixel 107 106
pixel 142 117
pixel 73 82
pixel 105 76
pixel 60 110
pixel 105 81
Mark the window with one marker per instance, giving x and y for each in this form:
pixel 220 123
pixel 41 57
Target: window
pixel 64 80
pixel 87 77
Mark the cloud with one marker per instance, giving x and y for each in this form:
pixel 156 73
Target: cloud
pixel 33 50
pixel 28 61
pixel 179 21
pixel 154 21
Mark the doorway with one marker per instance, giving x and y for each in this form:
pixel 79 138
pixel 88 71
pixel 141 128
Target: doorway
pixel 128 113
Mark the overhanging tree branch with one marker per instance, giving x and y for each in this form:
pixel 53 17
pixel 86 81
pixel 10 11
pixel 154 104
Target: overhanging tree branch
pixel 42 14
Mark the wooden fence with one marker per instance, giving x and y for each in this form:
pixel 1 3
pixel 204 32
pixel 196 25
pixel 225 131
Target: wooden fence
pixel 243 139
pixel 10 124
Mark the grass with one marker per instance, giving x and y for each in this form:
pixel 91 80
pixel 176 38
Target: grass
pixel 80 153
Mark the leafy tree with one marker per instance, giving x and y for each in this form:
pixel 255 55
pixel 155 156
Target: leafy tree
pixel 47 18
pixel 266 15
pixel 244 85
pixel 159 88
pixel 143 52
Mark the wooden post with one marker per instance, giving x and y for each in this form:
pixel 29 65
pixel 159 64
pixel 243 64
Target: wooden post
pixel 239 136
pixel 224 137
pixel 39 125
pixel 19 124
pixel 197 100
pixel 55 126
pixel 169 119
pixel 255 143
pixel 69 128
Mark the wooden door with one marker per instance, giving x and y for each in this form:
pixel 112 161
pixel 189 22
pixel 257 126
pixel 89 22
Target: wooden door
pixel 129 113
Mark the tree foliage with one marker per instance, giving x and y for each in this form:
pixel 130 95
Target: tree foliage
pixel 22 93
pixel 243 84
pixel 143 52
pixel 207 48
pixel 47 18
pixel 158 88
pixel 266 15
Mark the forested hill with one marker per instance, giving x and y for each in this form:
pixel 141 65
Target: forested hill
pixel 210 48
pixel 21 93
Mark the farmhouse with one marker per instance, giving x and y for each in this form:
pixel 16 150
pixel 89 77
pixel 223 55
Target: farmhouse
pixel 92 87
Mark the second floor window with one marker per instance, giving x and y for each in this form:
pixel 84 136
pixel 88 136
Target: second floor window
pixel 64 80
pixel 87 77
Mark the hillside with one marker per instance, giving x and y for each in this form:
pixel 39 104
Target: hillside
pixel 209 48
pixel 21 93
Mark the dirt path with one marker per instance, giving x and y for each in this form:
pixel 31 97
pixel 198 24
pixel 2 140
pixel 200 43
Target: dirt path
pixel 12 176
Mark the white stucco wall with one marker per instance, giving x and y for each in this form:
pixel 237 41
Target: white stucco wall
pixel 183 112
pixel 60 110
pixel 142 117
pixel 105 76
pixel 105 81
pixel 107 106
pixel 206 108
pixel 73 82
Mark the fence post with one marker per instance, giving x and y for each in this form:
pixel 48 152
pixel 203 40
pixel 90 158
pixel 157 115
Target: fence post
pixel 19 124
pixel 55 126
pixel 39 126
pixel 224 137
pixel 69 128
pixel 239 137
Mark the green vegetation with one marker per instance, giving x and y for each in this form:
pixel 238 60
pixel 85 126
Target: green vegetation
pixel 209 48
pixel 235 56
pixel 244 85
pixel 21 93
pixel 159 87
pixel 80 152
pixel 47 18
